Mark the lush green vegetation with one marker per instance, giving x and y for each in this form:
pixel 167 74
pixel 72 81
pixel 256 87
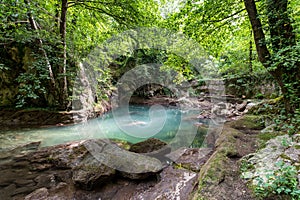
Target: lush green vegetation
pixel 281 181
pixel 44 41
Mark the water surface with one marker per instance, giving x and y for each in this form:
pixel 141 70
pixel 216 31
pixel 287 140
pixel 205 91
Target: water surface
pixel 174 121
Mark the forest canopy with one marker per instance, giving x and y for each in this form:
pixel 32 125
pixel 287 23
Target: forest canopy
pixel 45 41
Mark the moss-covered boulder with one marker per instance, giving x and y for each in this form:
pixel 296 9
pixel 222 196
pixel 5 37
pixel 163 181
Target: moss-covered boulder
pixel 253 122
pixel 213 171
pixel 219 174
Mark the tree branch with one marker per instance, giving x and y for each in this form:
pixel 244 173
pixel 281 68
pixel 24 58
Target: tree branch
pixel 227 17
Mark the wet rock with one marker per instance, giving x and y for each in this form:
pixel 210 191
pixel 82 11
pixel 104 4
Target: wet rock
pixel 174 184
pixel 91 165
pixel 8 191
pixel 90 173
pixel 39 194
pixel 45 180
pixel 149 145
pixel 27 147
pixel 194 158
pixel 130 164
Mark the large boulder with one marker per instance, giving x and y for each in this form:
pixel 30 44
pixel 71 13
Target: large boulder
pixel 147 146
pixel 129 164
pixel 152 147
pixel 90 173
pixel 219 174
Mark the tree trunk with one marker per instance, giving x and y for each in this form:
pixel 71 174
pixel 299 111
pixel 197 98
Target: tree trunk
pixel 282 36
pixel 259 36
pixel 40 43
pixel 250 53
pixel 63 68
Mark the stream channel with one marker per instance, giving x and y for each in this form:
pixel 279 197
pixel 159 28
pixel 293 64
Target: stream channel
pixel 164 122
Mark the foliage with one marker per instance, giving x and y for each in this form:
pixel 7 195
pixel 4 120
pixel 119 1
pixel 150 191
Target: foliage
pixel 249 85
pixel 88 23
pixel 282 181
pixel 221 28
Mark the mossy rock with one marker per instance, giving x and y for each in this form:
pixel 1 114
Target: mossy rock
pixel 226 142
pixel 252 122
pixel 147 146
pixel 272 106
pixel 267 136
pixel 122 144
pixel 214 170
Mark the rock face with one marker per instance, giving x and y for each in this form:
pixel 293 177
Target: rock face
pixel 174 184
pixel 71 171
pixel 37 118
pixel 219 177
pixel 280 149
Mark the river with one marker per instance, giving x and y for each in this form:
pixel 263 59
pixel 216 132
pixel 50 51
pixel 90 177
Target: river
pixel 164 122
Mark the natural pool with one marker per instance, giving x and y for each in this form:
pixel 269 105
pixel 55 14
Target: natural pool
pixel 164 122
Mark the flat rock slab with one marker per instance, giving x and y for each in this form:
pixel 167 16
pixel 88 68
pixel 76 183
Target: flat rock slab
pixel 124 161
pixel 90 173
pixel 174 184
pixel 191 158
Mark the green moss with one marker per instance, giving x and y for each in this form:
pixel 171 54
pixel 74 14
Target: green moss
pixel 215 168
pixel 122 144
pixel 226 141
pixel 285 157
pixel 267 136
pixel 214 171
pixel 252 122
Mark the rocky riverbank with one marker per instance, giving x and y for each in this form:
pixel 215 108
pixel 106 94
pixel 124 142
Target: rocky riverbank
pixel 71 171
pixel 149 170
pixel 12 118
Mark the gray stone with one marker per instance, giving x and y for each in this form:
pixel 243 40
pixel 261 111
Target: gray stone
pixel 269 129
pixel 174 184
pixel 90 173
pixel 282 148
pixel 193 158
pixel 114 157
pixel 39 194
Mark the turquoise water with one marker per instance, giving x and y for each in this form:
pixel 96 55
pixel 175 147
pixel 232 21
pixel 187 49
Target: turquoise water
pixel 141 123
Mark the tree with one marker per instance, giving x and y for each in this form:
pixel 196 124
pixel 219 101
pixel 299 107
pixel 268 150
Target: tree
pixel 63 67
pixel 57 35
pixel 279 55
pixel 222 27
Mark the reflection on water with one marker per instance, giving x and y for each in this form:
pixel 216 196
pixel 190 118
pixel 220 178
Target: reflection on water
pixel 106 127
